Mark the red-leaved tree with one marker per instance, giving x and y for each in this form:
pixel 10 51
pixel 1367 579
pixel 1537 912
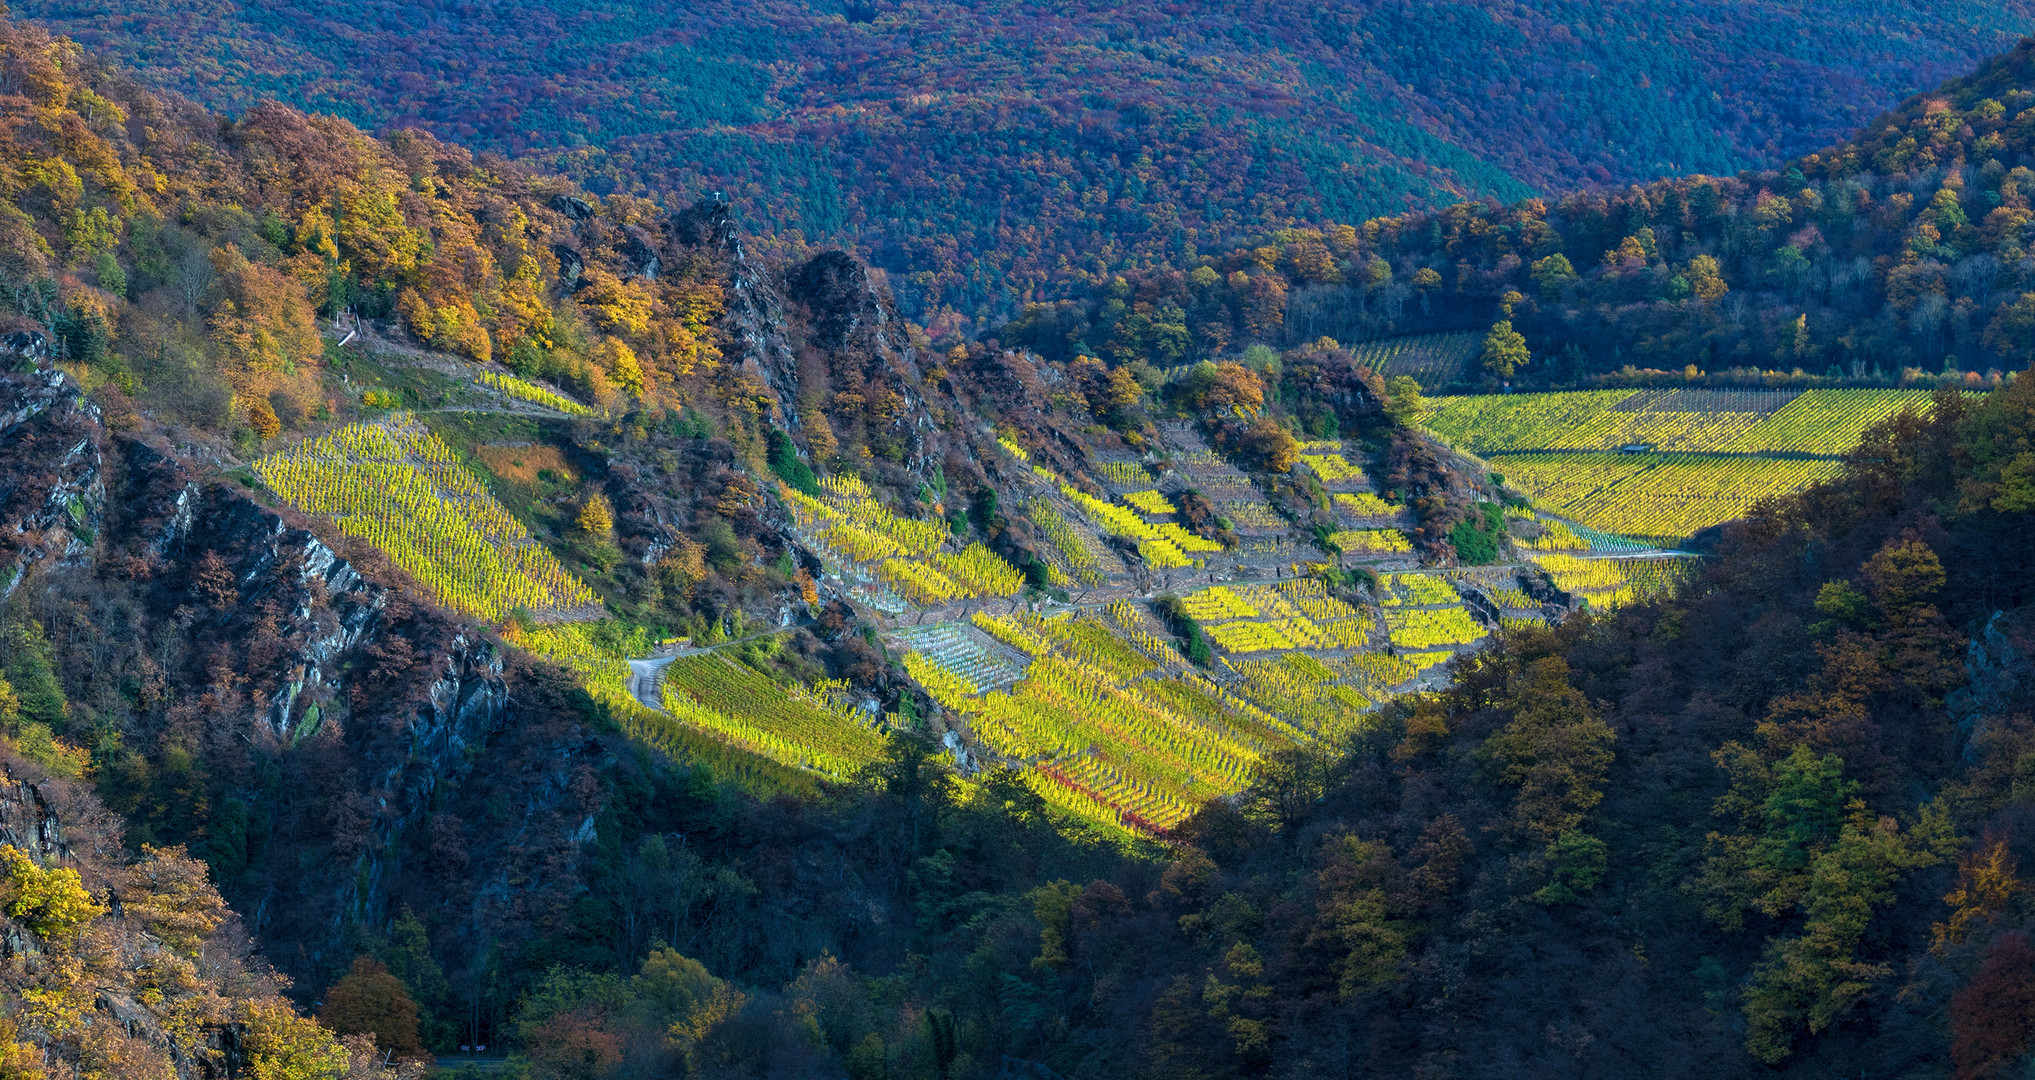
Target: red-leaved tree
pixel 1992 1018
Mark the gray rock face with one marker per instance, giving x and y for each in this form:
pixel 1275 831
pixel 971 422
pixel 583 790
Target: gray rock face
pixel 572 207
pixel 853 322
pixel 25 344
pixel 52 506
pixel 708 223
pixel 641 257
pixel 1993 670
pixel 570 266
pixel 392 752
pixel 28 822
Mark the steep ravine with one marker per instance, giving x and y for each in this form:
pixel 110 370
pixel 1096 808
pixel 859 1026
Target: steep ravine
pixel 340 730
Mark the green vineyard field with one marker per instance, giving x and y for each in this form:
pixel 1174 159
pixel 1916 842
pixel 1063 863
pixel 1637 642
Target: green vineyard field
pixel 1433 360
pixel 1662 465
pixel 1821 422
pixel 1661 497
pixel 398 487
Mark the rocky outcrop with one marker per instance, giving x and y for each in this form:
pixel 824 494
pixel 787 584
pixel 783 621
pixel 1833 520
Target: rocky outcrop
pixel 708 223
pixel 349 722
pixel 640 258
pixel 28 345
pixel 572 206
pixel 835 288
pixel 410 704
pixel 571 265
pixel 1995 670
pixel 850 325
pixel 29 822
pixel 327 608
pixel 52 497
pixel 756 314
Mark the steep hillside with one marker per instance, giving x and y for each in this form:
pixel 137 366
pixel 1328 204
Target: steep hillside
pixel 129 965
pixel 554 623
pixel 1883 260
pixel 983 152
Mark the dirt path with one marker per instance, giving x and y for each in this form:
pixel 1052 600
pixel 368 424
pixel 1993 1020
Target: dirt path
pixel 478 1064
pixel 646 675
pixel 368 339
pixel 646 680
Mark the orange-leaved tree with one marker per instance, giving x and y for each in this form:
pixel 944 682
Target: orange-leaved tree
pixel 370 1000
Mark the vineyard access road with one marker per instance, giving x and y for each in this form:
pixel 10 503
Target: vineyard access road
pixel 646 676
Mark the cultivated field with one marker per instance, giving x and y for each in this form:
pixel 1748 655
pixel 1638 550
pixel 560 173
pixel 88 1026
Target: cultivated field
pixel 398 487
pixel 1663 465
pixel 1097 705
pixel 1819 422
pixel 1433 360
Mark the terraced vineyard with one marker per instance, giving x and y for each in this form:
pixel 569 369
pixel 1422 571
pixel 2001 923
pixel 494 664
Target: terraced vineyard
pixel 1124 475
pixel 859 539
pixel 961 655
pixel 400 488
pixel 1165 545
pixel 1433 360
pixel 1101 739
pixel 1103 714
pixel 1071 557
pixel 1110 722
pixel 1609 583
pixel 1332 468
pixel 1252 516
pixel 1820 422
pixel 1662 497
pixel 1362 542
pixel 803 727
pixel 532 393
pixel 1363 506
pixel 1098 707
pixel 1425 617
pixel 1661 465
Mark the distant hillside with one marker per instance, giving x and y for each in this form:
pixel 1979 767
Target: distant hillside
pixel 981 151
pixel 1890 257
pixel 551 627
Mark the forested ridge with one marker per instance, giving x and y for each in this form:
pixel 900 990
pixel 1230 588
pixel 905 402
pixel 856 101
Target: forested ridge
pixel 1903 251
pixel 258 768
pixel 983 152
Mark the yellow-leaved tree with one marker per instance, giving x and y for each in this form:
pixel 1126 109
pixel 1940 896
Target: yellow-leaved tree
pixel 263 323
pixel 596 516
pixel 623 366
pixel 688 993
pixel 281 1045
pixel 616 305
pixel 50 901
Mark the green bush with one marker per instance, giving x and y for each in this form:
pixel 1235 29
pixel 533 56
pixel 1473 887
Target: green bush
pixel 789 467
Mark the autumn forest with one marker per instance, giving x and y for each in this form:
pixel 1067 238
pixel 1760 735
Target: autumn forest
pixel 947 540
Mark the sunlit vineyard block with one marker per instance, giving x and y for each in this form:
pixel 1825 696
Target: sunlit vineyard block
pixel 399 488
pixel 742 706
pixel 1364 505
pixel 1073 552
pixel 1416 628
pixel 1825 422
pixel 1124 474
pixel 1151 502
pixel 1251 514
pixel 1665 497
pixel 1331 467
pixel 531 392
pixel 849 524
pixel 1416 589
pixel 1371 541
